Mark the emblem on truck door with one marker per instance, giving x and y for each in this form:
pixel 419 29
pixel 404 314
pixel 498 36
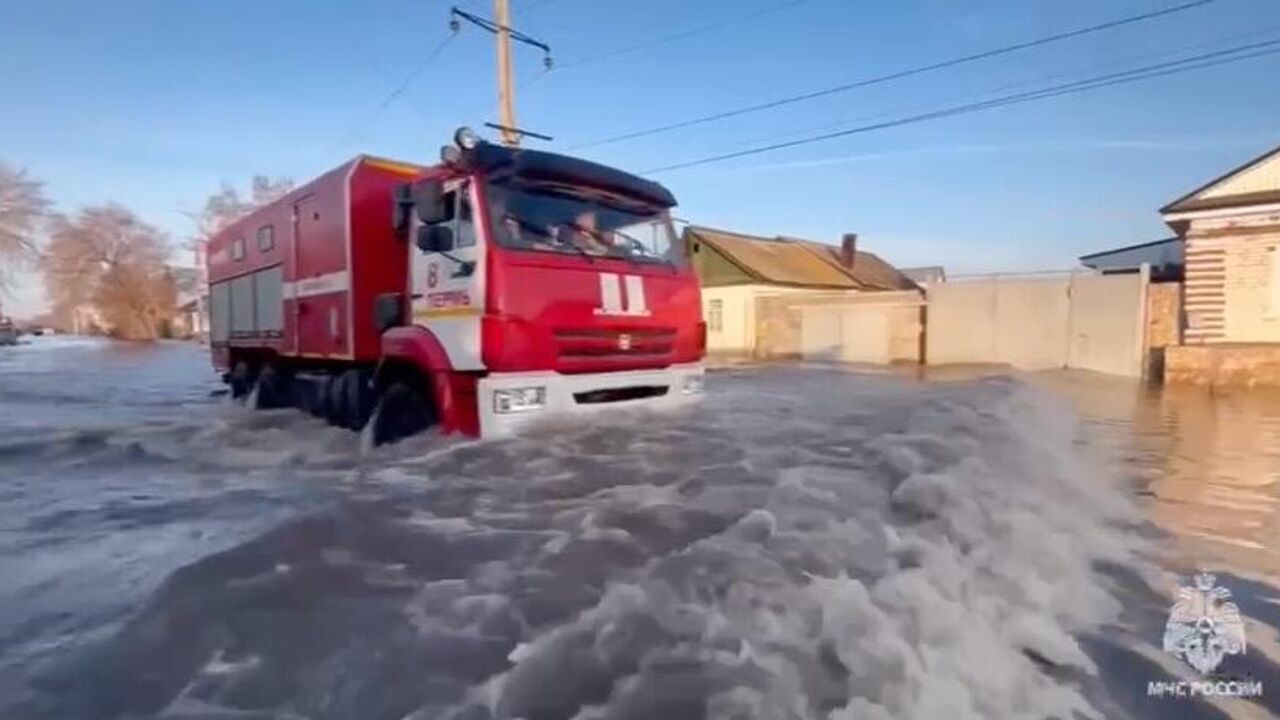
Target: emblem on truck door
pixel 624 342
pixel 612 300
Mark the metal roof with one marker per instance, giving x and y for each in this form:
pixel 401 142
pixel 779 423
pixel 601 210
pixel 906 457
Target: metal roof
pixel 802 263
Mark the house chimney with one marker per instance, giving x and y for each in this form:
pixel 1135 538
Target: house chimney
pixel 848 249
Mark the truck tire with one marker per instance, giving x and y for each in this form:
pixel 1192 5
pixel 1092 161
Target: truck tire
pixel 359 397
pixel 310 396
pixel 402 411
pixel 273 389
pixel 241 380
pixel 335 405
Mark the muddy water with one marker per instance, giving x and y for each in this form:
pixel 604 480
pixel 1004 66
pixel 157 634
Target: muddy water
pixel 811 542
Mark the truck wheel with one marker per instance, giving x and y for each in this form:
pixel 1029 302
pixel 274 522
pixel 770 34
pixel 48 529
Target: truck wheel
pixel 241 380
pixel 335 405
pixel 402 411
pixel 310 396
pixel 273 389
pixel 359 397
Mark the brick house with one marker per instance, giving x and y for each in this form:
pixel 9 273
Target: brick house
pixel 1231 298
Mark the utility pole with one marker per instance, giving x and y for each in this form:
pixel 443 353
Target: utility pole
pixel 500 26
pixel 506 88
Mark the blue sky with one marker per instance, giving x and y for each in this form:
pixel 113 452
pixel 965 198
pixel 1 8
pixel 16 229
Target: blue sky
pixel 155 103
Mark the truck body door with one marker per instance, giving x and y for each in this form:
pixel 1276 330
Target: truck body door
pixel 321 284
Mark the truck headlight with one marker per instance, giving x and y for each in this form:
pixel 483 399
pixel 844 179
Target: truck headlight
pixel 519 400
pixel 466 138
pixel 692 384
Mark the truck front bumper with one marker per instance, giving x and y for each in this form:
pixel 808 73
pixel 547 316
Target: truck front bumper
pixel 571 395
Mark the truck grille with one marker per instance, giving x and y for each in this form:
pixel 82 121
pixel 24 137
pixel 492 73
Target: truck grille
pixel 616 343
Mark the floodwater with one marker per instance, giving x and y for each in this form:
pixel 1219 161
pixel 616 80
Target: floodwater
pixel 811 542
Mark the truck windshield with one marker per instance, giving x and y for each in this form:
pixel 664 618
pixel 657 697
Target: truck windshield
pixel 552 217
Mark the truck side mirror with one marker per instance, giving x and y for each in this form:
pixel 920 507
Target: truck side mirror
pixel 435 238
pixel 429 201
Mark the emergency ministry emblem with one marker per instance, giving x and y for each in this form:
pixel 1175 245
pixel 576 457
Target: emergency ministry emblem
pixel 624 342
pixel 1204 627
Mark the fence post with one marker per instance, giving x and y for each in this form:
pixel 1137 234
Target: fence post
pixel 1069 352
pixel 1144 327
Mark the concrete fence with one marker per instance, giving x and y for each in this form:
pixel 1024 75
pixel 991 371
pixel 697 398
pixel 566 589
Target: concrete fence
pixel 1085 321
pixel 881 327
pixel 1105 323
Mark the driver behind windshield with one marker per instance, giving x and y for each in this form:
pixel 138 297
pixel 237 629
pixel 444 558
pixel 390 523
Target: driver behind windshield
pixel 584 233
pixel 520 233
pixel 563 221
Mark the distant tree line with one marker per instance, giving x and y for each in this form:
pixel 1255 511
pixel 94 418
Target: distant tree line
pixel 104 261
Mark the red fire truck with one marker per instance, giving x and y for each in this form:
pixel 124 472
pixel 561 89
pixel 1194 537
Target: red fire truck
pixel 499 286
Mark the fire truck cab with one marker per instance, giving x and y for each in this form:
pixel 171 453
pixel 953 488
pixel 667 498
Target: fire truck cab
pixel 495 288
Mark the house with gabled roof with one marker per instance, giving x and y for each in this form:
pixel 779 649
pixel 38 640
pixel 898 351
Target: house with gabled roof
pixel 1231 300
pixel 1231 228
pixel 736 269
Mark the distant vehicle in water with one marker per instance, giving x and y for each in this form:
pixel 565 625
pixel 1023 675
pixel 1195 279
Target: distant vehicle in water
pixel 476 295
pixel 8 332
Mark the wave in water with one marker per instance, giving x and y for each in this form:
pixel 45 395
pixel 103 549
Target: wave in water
pixel 807 544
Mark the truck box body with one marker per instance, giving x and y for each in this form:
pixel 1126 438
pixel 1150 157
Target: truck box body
pixel 298 277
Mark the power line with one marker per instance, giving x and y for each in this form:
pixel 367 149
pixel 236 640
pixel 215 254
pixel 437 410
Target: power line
pixel 399 89
pixel 494 27
pixel 1120 78
pixel 684 34
pixel 1148 72
pixel 1058 37
pixel 844 122
pixel 412 76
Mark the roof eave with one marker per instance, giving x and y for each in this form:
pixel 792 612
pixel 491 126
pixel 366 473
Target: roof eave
pixel 1174 206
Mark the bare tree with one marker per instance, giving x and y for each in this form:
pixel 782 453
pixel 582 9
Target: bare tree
pixel 23 208
pixel 226 206
pixel 108 259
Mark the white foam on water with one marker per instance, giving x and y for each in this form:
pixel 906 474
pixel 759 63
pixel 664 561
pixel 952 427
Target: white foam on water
pixel 808 544
pixel 936 558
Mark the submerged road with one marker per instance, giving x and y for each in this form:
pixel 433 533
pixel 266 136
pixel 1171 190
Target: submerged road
pixel 810 543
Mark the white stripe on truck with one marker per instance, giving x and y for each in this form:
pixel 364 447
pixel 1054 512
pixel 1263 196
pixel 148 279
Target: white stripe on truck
pixel 319 285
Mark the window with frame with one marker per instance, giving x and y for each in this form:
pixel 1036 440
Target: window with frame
pixel 464 229
pixel 459 216
pixel 266 238
pixel 715 316
pixel 237 249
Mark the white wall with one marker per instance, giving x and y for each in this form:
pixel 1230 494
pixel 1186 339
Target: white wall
pixel 737 333
pixel 841 326
pixel 874 327
pixel 1092 322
